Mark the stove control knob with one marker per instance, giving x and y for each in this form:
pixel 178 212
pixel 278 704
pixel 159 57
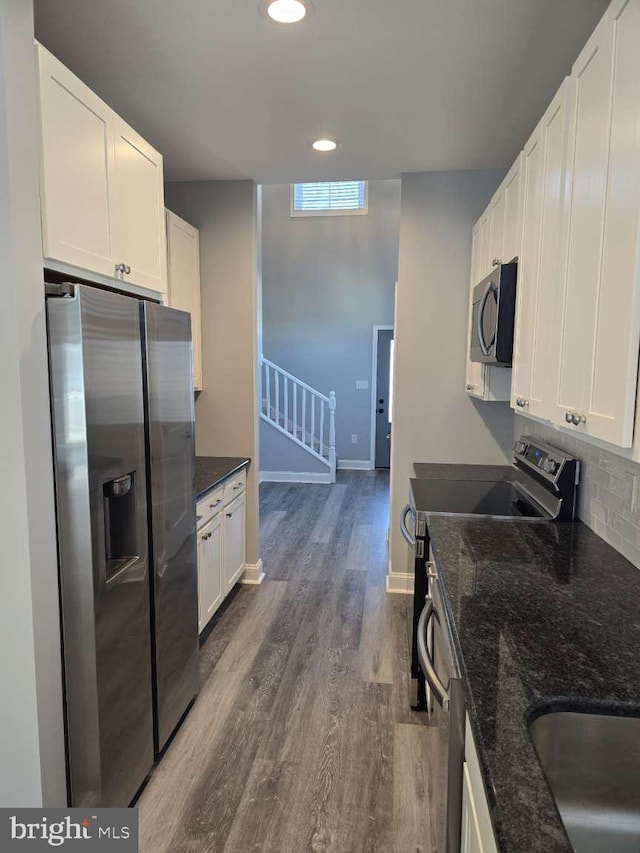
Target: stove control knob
pixel 550 466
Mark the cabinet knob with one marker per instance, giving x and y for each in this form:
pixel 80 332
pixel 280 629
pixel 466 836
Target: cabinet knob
pixel 125 269
pixel 496 262
pixel 229 515
pixel 470 387
pixel 569 417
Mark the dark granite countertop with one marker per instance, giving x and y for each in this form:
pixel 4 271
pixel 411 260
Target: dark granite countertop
pixel 453 471
pixel 543 617
pixel 212 470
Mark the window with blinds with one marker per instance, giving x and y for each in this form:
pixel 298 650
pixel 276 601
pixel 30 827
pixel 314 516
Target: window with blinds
pixel 329 198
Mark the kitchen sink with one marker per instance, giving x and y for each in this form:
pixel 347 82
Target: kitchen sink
pixel 592 765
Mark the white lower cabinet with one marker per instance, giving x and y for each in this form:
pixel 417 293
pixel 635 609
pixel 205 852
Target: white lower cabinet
pixel 477 831
pixel 235 520
pixel 222 525
pixel 210 555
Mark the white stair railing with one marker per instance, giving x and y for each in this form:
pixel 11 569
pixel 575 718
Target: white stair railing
pixel 303 414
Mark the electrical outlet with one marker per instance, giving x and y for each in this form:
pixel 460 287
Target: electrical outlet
pixel 354 439
pixel 362 384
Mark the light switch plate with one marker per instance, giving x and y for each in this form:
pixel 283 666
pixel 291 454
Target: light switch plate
pixel 362 384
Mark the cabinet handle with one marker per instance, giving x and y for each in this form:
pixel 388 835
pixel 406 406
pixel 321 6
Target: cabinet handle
pixel 125 269
pixel 229 515
pixel 217 503
pixel 237 486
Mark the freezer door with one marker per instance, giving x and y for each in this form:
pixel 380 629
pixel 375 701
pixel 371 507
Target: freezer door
pixel 170 452
pixel 99 450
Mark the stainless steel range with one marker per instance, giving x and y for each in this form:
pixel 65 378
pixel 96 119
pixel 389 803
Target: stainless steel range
pixel 540 486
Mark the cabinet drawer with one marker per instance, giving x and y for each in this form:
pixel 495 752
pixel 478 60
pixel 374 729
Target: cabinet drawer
pixel 235 486
pixel 210 505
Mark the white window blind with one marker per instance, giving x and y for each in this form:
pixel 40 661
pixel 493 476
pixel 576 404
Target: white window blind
pixel 329 198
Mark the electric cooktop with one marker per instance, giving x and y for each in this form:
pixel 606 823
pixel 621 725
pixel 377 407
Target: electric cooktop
pixel 470 497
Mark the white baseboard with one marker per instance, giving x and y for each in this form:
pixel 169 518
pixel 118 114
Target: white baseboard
pixel 253 573
pixel 294 477
pixel 400 583
pixel 355 465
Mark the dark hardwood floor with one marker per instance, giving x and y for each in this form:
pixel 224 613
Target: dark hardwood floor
pixel 301 738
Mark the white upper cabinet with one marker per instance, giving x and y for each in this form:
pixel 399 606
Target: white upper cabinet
pixel 599 333
pixel 543 165
pixel 102 192
pixel 483 381
pixel 506 220
pixel 183 251
pixel 138 209
pixel 77 169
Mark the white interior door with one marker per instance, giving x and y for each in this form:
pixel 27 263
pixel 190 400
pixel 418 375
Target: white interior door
pixel 138 209
pixel 77 166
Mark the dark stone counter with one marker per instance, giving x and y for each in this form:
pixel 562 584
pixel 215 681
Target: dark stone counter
pixel 210 471
pixel 543 617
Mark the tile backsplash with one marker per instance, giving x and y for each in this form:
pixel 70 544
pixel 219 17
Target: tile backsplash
pixel 609 492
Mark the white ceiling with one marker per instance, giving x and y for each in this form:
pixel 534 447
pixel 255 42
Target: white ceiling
pixel 406 85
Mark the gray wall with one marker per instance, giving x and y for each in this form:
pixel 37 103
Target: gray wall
pixel 32 764
pixel 606 497
pixel 327 280
pixel 435 420
pixel 226 214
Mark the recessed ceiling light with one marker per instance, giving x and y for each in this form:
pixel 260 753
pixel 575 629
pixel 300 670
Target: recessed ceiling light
pixel 286 11
pixel 324 145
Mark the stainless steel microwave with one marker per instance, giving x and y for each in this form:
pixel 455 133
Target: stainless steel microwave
pixel 493 317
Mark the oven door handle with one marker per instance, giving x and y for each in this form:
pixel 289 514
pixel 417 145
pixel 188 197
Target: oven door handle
pixel 439 690
pixel 410 539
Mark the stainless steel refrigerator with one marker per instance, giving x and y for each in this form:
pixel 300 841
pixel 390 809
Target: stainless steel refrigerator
pixel 123 428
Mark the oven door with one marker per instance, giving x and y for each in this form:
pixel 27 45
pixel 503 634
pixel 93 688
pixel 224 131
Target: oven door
pixel 415 534
pixel 484 323
pixel 447 716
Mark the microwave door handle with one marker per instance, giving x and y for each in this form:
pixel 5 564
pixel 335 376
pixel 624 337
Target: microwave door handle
pixel 483 304
pixel 409 538
pixel 428 669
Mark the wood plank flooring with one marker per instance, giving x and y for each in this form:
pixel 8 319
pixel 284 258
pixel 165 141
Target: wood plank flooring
pixel 301 738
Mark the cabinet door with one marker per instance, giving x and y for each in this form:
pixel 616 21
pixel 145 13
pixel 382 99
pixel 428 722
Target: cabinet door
pixel 528 269
pixel 475 372
pixel 234 541
pixel 138 209
pixel 183 262
pixel 615 304
pixel 470 839
pixel 210 551
pixel 496 228
pixel 77 167
pixel 599 335
pixel 552 254
pixel 512 229
pixel 484 250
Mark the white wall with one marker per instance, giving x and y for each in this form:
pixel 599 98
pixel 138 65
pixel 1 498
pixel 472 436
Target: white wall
pixel 32 770
pixel 327 280
pixel 434 419
pixel 226 213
